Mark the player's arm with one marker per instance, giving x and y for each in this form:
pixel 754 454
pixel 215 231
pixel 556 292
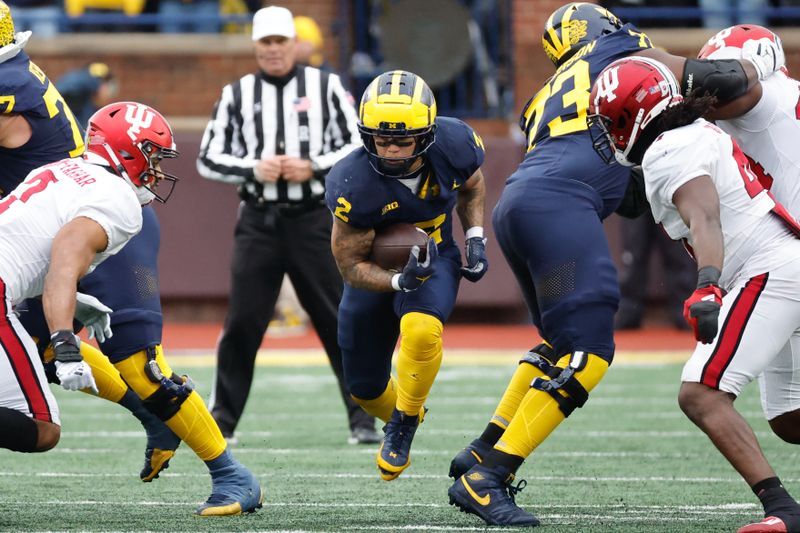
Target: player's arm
pixel 733 82
pixel 15 131
pixel 351 248
pixel 471 200
pixel 74 247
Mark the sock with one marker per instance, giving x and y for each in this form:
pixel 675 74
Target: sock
pixel 192 423
pixel 107 378
pixel 492 433
pixel 382 406
pixel 539 414
pixel 516 390
pixel 418 361
pixel 20 433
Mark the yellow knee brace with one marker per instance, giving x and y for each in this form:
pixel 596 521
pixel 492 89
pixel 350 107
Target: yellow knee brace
pixel 418 361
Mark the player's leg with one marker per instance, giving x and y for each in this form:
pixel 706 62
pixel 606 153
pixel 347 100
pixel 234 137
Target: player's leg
pixel 527 369
pixel 29 414
pixel 318 284
pixel 757 319
pixel 577 296
pixel 171 398
pixel 257 269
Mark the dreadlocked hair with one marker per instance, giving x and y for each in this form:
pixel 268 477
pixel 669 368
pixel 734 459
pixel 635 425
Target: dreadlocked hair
pixel 683 113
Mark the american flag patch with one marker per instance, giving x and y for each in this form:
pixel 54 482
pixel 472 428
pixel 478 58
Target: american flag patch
pixel 302 104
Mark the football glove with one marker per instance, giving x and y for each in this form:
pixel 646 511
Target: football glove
pixel 71 369
pixel 94 315
pixel 415 273
pixel 765 55
pixel 701 309
pixel 477 263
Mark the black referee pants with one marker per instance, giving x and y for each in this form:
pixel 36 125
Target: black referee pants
pixel 268 243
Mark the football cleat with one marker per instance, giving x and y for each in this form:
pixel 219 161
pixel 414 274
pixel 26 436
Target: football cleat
pixel 394 455
pixel 161 446
pixel 468 457
pixel 770 524
pixel 489 494
pixel 233 492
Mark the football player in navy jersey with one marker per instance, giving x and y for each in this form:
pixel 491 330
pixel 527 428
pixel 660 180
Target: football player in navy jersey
pixel 414 167
pixel 548 223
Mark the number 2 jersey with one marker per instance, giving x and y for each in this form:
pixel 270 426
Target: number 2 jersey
pixel 49 198
pixel 752 234
pixel 358 195
pixel 25 90
pixel 554 121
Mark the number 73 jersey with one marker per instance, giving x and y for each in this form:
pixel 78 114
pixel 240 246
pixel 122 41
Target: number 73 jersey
pixel 554 120
pixel 26 91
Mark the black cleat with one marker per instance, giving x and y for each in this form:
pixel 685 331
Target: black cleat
pixel 489 494
pixel 468 457
pixel 394 455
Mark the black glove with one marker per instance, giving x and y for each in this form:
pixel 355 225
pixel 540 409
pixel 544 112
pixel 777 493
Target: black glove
pixel 701 309
pixel 477 263
pixel 415 273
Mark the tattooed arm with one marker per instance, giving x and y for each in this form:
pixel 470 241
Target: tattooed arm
pixel 471 199
pixel 351 248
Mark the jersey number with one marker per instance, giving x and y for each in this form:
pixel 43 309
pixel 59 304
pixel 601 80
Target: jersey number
pixel 433 227
pixel 751 182
pixel 36 183
pixel 576 100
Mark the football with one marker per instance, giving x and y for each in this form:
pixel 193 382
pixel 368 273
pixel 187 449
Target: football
pixel 392 245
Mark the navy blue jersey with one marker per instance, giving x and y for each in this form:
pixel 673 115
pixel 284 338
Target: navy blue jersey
pixel 360 196
pixel 128 283
pixel 25 90
pixel 554 121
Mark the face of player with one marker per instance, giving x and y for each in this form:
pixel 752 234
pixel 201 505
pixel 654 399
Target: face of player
pixel 276 54
pixel 397 148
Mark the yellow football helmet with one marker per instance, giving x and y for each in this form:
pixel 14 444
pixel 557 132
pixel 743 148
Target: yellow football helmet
pixel 573 26
pixel 397 104
pixel 6 25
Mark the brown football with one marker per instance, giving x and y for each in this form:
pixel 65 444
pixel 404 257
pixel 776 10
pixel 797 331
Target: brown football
pixel 392 245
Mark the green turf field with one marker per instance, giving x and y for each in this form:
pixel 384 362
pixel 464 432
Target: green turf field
pixel 629 461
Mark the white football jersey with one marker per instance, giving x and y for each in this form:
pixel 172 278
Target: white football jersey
pixel 751 234
pixel 770 134
pixel 49 198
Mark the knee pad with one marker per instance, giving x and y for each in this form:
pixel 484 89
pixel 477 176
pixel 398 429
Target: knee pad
pixel 571 380
pixel 540 355
pixel 421 334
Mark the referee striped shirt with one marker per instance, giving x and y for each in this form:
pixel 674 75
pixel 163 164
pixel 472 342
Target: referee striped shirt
pixel 310 116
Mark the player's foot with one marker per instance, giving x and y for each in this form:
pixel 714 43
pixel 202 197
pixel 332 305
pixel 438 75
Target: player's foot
pixel 489 494
pixel 770 524
pixel 161 446
pixel 234 490
pixel 364 435
pixel 468 457
pixel 394 455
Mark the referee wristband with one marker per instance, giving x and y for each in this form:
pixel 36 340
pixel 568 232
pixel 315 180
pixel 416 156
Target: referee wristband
pixel 396 282
pixel 474 231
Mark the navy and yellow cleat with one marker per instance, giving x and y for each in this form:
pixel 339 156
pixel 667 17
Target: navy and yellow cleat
pixel 468 457
pixel 489 494
pixel 161 446
pixel 394 455
pixel 233 492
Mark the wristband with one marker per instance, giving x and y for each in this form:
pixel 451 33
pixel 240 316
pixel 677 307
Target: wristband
pixel 474 231
pixel 708 275
pixel 396 282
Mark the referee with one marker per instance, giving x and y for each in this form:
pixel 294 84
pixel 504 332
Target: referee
pixel 275 134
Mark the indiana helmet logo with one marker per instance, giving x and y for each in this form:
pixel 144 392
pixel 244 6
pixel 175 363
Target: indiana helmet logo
pixel 138 116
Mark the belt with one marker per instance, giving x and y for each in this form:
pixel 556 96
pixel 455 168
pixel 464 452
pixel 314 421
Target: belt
pixel 288 209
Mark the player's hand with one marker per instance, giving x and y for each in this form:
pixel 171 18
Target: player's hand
pixel 296 170
pixel 268 170
pixel 766 56
pixel 415 273
pixel 477 263
pixel 71 369
pixel 94 315
pixel 701 309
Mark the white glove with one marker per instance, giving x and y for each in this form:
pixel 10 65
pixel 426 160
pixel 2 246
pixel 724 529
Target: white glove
pixel 75 376
pixel 767 56
pixel 94 316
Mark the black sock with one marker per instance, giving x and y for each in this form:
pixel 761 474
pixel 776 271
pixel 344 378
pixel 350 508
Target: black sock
pixel 764 484
pixel 777 502
pixel 20 432
pixel 506 460
pixel 491 434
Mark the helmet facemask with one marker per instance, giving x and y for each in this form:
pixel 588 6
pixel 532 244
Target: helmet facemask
pixel 396 167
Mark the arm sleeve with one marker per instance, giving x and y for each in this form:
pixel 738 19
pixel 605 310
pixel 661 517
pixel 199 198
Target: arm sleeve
pixel 222 156
pixel 341 132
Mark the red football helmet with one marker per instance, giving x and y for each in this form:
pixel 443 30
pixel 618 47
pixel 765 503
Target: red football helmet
pixel 134 138
pixel 627 95
pixel 728 43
